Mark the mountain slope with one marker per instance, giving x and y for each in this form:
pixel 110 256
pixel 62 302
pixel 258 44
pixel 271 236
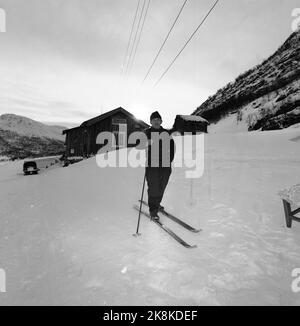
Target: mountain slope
pixel 265 97
pixel 21 137
pixel 28 127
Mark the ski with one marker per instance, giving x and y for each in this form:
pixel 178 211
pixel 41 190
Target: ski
pixel 166 229
pixel 176 219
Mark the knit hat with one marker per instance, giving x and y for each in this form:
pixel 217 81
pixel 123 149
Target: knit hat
pixel 155 115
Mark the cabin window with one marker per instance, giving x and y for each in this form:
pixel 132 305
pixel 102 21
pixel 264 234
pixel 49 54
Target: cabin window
pixel 119 121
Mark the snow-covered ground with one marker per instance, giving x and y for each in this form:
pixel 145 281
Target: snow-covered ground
pixel 66 234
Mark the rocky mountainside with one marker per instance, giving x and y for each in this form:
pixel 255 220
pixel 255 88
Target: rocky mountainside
pixel 21 137
pixel 266 97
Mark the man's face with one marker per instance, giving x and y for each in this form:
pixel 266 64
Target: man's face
pixel 156 123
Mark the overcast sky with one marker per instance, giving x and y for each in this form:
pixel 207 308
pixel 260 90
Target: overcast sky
pixel 61 60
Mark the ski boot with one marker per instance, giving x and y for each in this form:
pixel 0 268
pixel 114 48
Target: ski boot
pixel 154 216
pixel 161 208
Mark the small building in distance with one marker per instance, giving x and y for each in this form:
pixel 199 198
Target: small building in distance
pixel 81 141
pixel 190 123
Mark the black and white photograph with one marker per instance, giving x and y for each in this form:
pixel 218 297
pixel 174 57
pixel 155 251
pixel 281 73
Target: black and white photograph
pixel 149 155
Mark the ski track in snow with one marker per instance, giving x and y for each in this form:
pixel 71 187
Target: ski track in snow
pixel 66 234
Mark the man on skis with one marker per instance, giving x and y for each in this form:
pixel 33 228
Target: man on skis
pixel 160 154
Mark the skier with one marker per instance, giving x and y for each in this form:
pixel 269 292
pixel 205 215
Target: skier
pixel 160 154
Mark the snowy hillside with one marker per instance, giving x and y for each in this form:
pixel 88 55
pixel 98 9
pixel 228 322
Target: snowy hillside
pixel 28 127
pixel 66 234
pixel 266 97
pixel 254 115
pixel 21 137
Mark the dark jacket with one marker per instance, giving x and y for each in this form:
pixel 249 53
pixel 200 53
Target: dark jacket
pixel 165 151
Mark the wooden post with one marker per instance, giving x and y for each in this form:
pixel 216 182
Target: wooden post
pixel 287 212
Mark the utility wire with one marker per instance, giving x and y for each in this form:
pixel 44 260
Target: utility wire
pixel 130 37
pixel 204 19
pixel 139 38
pixel 136 32
pixel 164 42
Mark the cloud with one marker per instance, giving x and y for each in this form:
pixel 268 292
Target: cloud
pixel 93 33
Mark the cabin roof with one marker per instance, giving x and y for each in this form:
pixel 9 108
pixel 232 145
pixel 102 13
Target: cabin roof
pixel 67 130
pixel 105 115
pixel 195 118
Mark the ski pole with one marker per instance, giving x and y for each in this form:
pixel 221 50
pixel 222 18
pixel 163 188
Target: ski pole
pixel 138 224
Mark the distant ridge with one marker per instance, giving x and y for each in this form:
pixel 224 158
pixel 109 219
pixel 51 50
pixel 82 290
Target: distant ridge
pixel 28 127
pixel 21 137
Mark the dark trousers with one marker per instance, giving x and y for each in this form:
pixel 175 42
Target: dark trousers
pixel 157 180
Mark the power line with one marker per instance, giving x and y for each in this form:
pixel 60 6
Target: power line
pixel 136 39
pixel 136 32
pixel 204 19
pixel 130 37
pixel 139 38
pixel 164 42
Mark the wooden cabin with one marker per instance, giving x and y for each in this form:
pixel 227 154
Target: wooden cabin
pixel 190 123
pixel 81 141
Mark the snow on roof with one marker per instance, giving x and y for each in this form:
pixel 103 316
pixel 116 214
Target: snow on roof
pixel 195 118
